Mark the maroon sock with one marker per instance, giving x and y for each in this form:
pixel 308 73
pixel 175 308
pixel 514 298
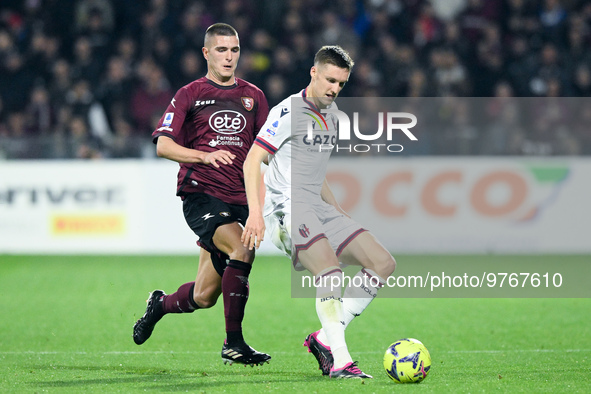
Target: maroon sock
pixel 180 301
pixel 235 293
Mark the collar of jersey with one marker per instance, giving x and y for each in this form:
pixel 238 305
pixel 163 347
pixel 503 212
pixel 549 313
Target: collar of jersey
pixel 310 103
pixel 224 87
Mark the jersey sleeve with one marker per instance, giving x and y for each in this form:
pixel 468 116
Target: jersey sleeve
pixel 262 112
pixel 171 123
pixel 276 130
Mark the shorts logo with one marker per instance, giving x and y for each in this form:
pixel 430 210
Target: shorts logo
pixel 168 117
pixel 304 231
pixel 248 103
pixel 225 214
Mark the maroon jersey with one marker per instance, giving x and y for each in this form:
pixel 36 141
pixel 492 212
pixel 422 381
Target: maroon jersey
pixel 206 116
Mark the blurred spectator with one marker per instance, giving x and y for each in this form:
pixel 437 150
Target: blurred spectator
pixel 276 89
pixel 126 50
pixel 61 82
pixel 427 27
pixel 450 76
pixel 86 64
pixel 81 58
pixel 553 18
pixel 40 114
pixel 87 9
pixel 582 81
pixel 549 67
pixel 150 97
pixel 124 144
pixel 333 31
pixel 80 143
pixel 189 68
pixel 115 89
pixel 16 81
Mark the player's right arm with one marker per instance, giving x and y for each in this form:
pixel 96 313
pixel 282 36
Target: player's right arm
pixel 167 148
pixel 254 228
pixel 170 129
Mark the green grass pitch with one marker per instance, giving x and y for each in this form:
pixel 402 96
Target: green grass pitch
pixel 66 324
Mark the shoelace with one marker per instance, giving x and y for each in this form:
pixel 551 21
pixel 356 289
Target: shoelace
pixel 353 368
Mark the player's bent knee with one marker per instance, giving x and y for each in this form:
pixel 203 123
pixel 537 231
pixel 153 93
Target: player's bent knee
pixel 204 302
pixel 206 299
pixel 390 265
pixel 242 254
pixel 385 264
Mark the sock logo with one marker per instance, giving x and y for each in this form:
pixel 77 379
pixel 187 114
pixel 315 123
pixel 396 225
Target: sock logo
pixel 331 298
pixel 368 291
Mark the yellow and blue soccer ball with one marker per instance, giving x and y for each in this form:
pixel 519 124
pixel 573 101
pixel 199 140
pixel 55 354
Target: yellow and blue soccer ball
pixel 407 361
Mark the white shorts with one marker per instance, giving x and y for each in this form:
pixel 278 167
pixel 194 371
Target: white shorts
pixel 309 224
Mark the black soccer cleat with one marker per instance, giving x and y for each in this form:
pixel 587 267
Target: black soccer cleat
pixel 349 371
pixel 143 328
pixel 243 354
pixel 321 352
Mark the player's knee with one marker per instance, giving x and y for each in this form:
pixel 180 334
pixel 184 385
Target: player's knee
pixel 204 302
pixel 389 265
pixel 205 299
pixel 242 254
pixel 384 264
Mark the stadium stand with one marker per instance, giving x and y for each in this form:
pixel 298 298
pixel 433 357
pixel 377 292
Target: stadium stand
pixel 86 78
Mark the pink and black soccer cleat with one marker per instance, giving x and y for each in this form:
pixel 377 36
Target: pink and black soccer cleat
pixel 321 352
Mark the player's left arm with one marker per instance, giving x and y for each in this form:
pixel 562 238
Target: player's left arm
pixel 254 228
pixel 328 196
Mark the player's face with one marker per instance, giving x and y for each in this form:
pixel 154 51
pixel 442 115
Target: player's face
pixel 222 54
pixel 327 82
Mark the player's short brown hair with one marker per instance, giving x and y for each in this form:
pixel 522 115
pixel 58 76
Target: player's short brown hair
pixel 219 29
pixel 335 55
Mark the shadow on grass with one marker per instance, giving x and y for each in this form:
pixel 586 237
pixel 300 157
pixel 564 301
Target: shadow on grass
pixel 119 377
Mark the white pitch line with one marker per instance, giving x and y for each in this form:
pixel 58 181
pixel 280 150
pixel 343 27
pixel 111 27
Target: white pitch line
pixel 117 353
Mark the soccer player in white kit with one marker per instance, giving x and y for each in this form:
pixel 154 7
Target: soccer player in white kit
pixel 297 140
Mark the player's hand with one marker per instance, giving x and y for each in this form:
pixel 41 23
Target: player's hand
pixel 254 232
pixel 221 156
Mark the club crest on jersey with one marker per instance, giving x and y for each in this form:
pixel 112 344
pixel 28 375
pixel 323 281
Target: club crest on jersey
pixel 248 103
pixel 304 231
pixel 225 214
pixel 168 117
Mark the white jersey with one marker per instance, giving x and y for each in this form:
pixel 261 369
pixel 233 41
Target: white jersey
pixel 300 140
pixel 298 162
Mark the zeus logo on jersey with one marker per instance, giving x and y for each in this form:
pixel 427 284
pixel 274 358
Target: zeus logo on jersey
pixel 204 102
pixel 227 122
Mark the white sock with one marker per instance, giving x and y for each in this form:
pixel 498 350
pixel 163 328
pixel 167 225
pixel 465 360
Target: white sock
pixel 329 307
pixel 357 298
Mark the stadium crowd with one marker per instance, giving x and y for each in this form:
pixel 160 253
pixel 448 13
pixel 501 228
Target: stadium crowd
pixel 90 78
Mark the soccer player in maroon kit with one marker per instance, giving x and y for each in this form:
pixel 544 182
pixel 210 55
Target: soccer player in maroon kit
pixel 208 128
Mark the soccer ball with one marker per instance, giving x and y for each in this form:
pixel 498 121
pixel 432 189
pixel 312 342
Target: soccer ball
pixel 407 361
